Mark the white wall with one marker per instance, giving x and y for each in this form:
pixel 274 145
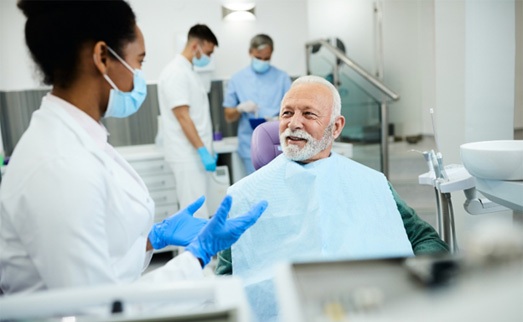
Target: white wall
pixel 475 63
pixel 408 29
pixel 403 30
pixel 17 70
pixel 518 113
pixel 409 49
pixel 350 21
pixel 162 21
pixel 403 36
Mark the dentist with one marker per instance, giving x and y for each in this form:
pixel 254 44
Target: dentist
pixel 73 213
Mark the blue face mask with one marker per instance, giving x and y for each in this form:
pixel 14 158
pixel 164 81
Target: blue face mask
pixel 203 61
pixel 122 104
pixel 260 66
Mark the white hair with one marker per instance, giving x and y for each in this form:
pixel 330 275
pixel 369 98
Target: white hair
pixel 336 99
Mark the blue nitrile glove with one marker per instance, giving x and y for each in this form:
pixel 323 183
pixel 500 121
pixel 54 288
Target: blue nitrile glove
pixel 179 229
pixel 209 162
pixel 220 233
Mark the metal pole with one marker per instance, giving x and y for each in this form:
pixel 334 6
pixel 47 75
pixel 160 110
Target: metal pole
pixel 439 215
pixel 357 68
pixel 307 60
pixel 384 139
pixel 336 75
pixel 452 228
pixel 449 234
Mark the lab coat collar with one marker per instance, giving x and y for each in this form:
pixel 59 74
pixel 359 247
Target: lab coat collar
pixel 96 130
pixel 54 105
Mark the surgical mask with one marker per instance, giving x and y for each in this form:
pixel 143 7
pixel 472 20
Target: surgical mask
pixel 203 61
pixel 260 66
pixel 122 104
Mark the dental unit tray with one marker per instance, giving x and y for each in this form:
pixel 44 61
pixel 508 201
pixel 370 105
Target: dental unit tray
pixel 217 299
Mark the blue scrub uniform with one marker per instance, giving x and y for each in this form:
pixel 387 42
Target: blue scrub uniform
pixel 266 90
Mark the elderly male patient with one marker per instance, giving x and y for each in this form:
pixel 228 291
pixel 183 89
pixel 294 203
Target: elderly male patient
pixel 321 204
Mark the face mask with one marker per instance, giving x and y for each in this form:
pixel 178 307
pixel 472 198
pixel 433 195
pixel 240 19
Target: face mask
pixel 260 66
pixel 122 104
pixel 203 61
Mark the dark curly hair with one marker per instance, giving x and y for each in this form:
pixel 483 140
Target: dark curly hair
pixel 56 30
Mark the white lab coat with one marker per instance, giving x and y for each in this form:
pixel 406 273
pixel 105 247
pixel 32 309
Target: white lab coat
pixel 72 215
pixel 179 85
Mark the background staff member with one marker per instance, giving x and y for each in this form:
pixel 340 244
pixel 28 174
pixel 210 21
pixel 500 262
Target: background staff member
pixel 256 90
pixel 186 117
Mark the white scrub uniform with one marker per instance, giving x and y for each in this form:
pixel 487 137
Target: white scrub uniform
pixel 73 212
pixel 179 85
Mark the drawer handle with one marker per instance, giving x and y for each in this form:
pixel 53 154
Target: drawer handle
pixel 155 184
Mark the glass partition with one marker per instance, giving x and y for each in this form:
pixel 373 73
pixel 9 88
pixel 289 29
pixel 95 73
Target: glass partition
pixel 364 101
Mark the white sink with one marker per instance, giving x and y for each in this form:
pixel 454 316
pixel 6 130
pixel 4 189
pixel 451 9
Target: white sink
pixel 494 160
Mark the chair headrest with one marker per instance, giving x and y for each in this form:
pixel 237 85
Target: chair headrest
pixel 265 143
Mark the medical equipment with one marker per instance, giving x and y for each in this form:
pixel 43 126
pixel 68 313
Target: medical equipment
pixel 437 177
pixel 448 288
pixel 455 177
pixel 218 186
pixel 218 299
pixel 497 167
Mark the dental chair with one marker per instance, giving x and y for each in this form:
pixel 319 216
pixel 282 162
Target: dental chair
pixel 265 143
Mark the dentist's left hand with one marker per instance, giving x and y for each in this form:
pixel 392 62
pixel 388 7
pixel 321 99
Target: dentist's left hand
pixel 220 233
pixel 179 229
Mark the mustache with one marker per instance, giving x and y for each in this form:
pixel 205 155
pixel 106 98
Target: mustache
pixel 301 134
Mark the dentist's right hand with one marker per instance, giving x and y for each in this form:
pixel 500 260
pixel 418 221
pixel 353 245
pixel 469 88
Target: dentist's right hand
pixel 179 229
pixel 220 233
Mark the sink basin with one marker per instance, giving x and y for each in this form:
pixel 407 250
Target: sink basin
pixel 494 160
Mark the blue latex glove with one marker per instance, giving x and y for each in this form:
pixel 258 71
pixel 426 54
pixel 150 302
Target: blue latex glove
pixel 179 229
pixel 209 162
pixel 220 233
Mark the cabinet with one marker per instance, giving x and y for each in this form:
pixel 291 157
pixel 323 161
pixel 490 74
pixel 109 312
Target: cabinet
pixel 148 162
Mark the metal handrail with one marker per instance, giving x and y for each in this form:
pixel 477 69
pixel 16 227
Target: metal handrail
pixel 357 68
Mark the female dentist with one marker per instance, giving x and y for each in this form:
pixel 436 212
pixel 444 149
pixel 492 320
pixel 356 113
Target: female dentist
pixel 73 212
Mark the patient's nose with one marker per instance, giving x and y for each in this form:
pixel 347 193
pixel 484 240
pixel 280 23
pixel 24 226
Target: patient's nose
pixel 296 122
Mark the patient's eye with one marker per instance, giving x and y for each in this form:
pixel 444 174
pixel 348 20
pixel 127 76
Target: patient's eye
pixel 286 113
pixel 309 114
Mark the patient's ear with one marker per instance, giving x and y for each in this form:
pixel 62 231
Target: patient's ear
pixel 339 123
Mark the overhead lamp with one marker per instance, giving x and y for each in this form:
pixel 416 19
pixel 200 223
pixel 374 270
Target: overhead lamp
pixel 238 10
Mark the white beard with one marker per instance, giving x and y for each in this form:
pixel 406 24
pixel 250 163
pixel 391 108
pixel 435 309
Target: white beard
pixel 312 146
